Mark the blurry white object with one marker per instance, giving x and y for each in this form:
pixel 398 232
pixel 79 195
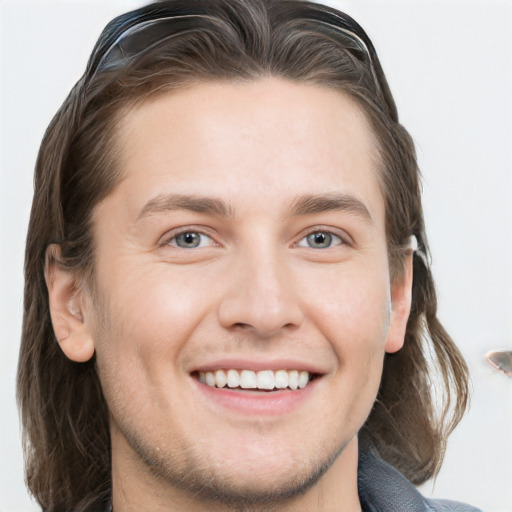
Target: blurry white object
pixel 501 360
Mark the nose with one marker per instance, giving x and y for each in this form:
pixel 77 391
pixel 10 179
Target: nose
pixel 260 295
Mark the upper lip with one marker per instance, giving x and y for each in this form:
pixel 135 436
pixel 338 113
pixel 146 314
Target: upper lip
pixel 257 364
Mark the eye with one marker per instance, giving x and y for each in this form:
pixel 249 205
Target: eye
pixel 320 240
pixel 191 240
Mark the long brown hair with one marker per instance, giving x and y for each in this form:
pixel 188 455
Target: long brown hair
pixel 63 411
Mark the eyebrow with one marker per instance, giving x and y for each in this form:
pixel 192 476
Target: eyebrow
pixel 172 202
pixel 303 205
pixel 334 201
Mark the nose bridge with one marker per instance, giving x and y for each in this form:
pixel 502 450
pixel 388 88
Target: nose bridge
pixel 261 293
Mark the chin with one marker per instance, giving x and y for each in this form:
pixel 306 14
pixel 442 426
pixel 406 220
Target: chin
pixel 255 477
pixel 248 487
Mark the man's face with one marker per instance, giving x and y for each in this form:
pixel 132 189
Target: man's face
pixel 246 240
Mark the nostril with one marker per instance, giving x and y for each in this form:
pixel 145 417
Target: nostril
pixel 241 326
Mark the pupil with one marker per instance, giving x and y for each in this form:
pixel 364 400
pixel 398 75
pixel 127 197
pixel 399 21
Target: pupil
pixel 188 240
pixel 320 240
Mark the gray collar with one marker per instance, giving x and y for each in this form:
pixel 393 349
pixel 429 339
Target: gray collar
pixel 383 489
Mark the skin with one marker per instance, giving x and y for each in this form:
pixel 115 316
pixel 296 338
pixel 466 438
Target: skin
pixel 254 292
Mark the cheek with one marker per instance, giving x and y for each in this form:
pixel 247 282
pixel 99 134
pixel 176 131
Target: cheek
pixel 154 310
pixel 137 347
pixel 352 311
pixel 143 325
pixel 352 308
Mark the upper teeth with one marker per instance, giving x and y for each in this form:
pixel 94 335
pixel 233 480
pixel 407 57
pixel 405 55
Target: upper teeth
pixel 264 379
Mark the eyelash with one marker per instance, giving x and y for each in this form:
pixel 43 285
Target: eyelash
pixel 186 231
pixel 332 237
pixel 337 239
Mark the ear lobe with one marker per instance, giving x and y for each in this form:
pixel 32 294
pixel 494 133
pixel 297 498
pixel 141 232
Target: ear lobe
pixel 401 296
pixel 66 309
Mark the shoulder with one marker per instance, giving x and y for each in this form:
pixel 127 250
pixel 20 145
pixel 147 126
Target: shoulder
pixel 383 489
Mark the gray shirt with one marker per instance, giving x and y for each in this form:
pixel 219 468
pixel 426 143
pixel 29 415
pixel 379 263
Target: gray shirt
pixel 383 489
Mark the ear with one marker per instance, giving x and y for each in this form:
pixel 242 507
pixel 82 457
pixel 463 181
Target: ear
pixel 401 296
pixel 66 299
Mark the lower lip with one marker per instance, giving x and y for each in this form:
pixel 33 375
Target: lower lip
pixel 273 403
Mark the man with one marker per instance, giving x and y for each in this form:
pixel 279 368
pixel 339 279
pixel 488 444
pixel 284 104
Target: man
pixel 227 290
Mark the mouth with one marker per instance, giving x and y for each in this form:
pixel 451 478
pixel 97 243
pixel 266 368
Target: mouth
pixel 258 389
pixel 260 381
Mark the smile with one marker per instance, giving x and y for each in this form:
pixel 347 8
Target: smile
pixel 264 380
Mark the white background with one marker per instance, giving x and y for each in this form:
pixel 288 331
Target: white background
pixel 449 64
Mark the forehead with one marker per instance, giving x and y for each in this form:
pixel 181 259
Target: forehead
pixel 269 137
